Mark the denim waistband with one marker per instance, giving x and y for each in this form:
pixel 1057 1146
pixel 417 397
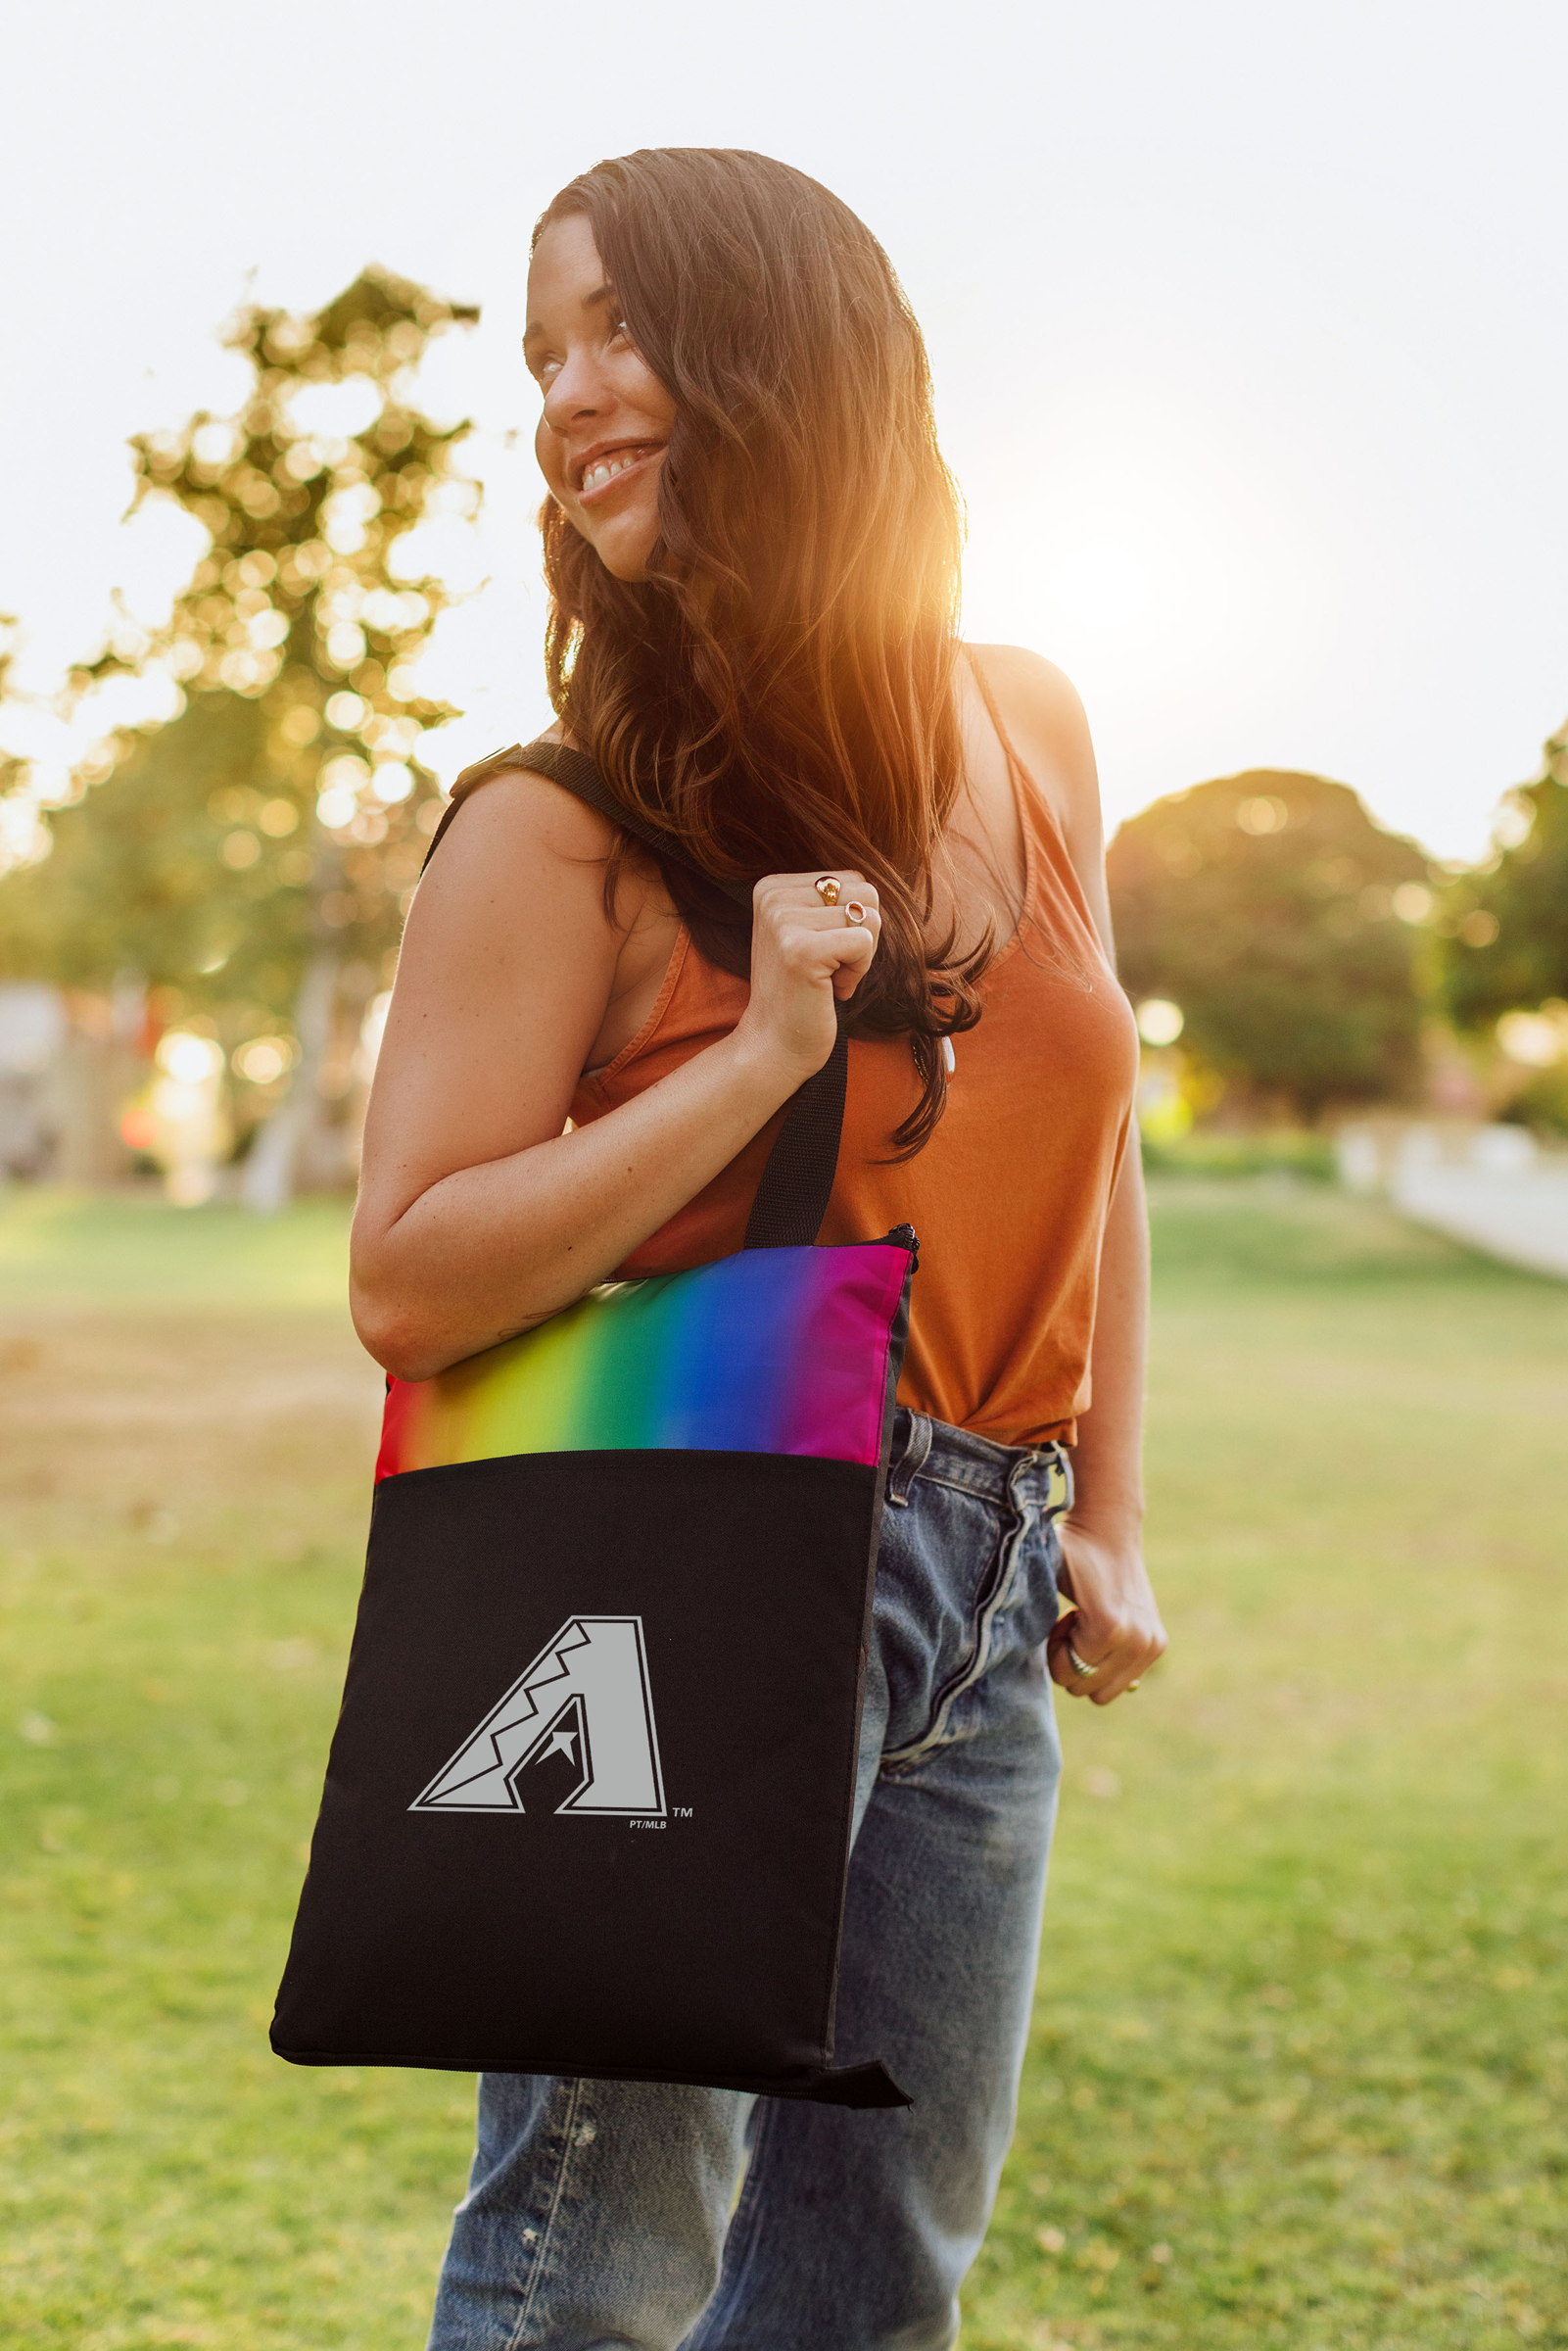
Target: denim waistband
pixel 975 1464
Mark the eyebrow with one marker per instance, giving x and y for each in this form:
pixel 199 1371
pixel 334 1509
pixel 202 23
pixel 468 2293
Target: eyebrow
pixel 595 301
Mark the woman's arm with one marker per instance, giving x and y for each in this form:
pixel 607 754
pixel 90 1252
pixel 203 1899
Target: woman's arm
pixel 477 1216
pixel 1116 1623
pixel 1117 1620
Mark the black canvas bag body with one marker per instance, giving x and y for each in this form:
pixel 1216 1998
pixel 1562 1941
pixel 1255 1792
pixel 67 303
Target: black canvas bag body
pixel 587 1805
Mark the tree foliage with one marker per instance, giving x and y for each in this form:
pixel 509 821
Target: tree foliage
pixel 1263 905
pixel 20 829
pixel 284 809
pixel 1505 927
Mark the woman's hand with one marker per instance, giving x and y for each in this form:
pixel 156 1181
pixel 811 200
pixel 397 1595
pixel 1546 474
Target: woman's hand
pixel 1114 1624
pixel 805 953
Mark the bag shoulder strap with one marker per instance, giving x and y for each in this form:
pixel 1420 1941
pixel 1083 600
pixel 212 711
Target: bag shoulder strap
pixel 798 1178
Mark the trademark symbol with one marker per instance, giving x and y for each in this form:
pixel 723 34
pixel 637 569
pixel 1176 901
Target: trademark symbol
pixel 682 1811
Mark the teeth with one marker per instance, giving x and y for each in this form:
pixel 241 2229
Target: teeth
pixel 604 469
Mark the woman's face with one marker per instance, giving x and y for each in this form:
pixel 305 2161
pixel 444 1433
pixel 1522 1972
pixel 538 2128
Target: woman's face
pixel 607 417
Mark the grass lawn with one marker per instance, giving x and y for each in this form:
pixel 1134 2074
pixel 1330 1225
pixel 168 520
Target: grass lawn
pixel 1302 2044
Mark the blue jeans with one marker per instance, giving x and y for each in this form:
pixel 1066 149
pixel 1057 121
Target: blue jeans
pixel 606 2214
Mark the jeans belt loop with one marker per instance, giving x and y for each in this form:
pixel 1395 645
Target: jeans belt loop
pixel 910 1461
pixel 1053 1458
pixel 1063 1463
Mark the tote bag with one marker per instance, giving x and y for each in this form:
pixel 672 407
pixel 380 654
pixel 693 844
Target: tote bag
pixel 588 1804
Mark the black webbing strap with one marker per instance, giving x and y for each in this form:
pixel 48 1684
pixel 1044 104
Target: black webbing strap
pixel 792 1196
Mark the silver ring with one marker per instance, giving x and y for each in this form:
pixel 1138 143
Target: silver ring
pixel 854 914
pixel 1078 1665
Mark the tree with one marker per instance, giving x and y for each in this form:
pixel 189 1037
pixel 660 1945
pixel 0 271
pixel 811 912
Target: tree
pixel 1505 924
pixel 260 845
pixel 23 838
pixel 1268 906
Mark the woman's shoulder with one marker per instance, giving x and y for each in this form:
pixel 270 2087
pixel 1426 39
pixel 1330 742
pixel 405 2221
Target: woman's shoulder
pixel 516 858
pixel 529 807
pixel 503 808
pixel 519 878
pixel 1044 719
pixel 1043 713
pixel 486 781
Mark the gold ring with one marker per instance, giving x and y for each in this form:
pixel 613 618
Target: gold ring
pixel 1078 1665
pixel 854 912
pixel 826 889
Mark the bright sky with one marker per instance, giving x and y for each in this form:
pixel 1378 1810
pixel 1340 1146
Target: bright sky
pixel 1248 324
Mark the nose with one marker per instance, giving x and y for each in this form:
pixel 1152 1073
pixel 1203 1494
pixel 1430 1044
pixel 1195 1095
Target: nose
pixel 578 389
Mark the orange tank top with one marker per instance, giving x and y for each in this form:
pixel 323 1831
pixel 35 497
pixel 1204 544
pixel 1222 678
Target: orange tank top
pixel 1009 1197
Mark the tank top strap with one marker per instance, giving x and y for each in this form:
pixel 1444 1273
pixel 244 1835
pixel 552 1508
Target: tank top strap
pixel 1055 910
pixel 1027 791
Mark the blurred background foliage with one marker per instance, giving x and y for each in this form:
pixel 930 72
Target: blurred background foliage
pixel 1506 930
pixel 1267 907
pixel 239 873
pixel 1308 961
pixel 250 860
pixel 202 853
pixel 1509 918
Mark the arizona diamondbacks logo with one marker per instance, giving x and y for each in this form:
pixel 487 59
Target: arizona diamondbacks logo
pixel 585 1700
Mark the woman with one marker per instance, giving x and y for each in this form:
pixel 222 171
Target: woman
pixel 752 546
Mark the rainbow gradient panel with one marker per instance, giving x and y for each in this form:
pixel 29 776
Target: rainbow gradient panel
pixel 770 1351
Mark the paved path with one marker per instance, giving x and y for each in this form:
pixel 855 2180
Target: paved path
pixel 1520 1215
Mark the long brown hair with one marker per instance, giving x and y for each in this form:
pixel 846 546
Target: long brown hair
pixel 778 693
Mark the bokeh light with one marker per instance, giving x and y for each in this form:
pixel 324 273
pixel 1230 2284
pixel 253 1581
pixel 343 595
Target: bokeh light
pixel 1159 1021
pixel 335 807
pixel 188 1059
pixel 264 1060
pixel 1535 1040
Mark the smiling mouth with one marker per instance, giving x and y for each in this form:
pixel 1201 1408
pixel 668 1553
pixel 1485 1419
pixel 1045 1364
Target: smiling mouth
pixel 603 471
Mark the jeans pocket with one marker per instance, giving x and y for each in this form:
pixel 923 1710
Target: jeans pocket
pixel 937 1631
pixel 938 1564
